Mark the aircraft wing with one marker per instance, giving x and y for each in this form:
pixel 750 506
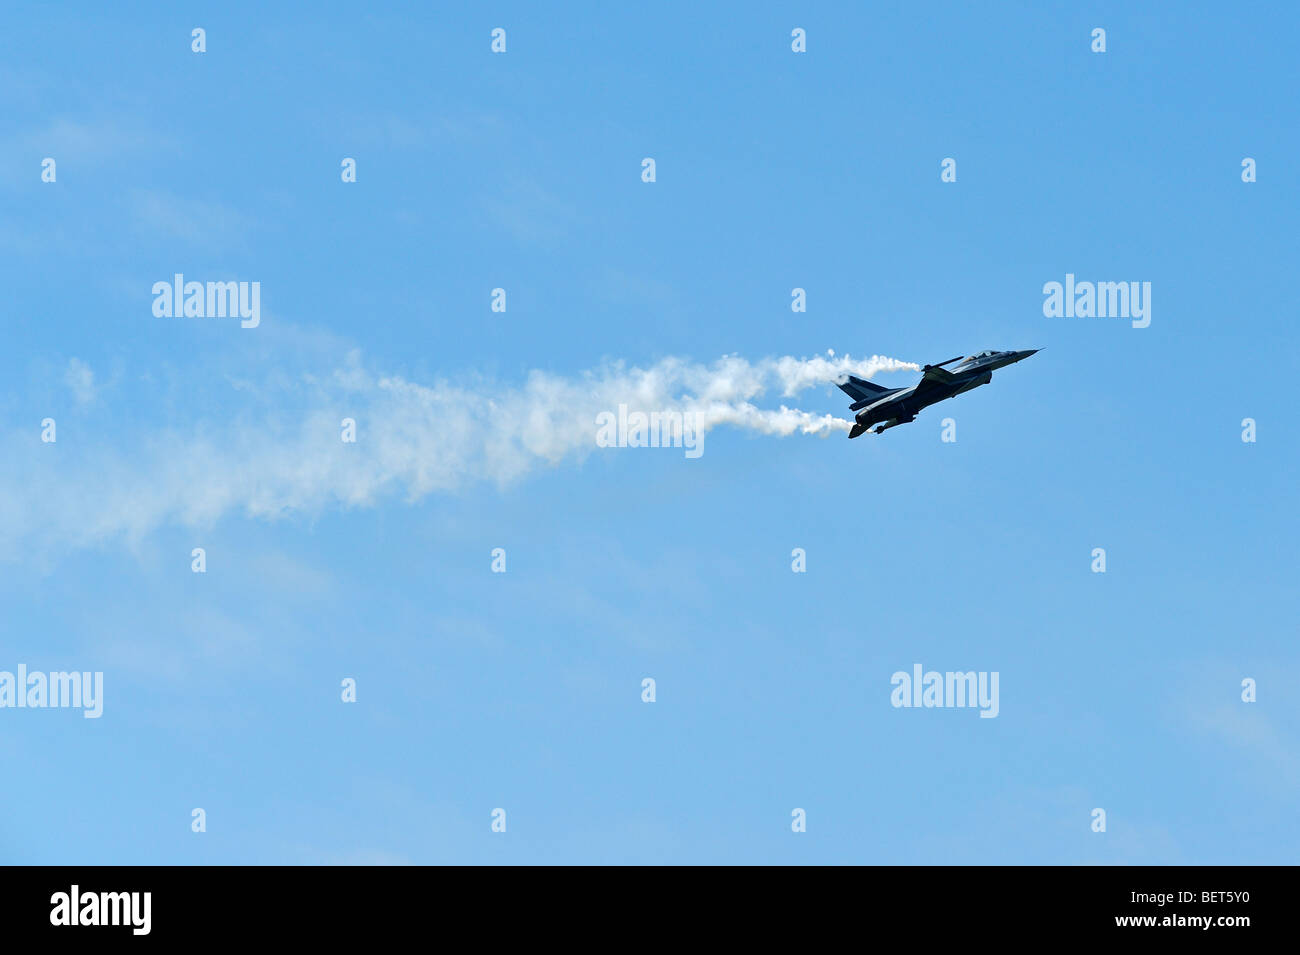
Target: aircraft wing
pixel 933 378
pixel 939 375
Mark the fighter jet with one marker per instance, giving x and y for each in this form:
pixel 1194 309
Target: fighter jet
pixel 895 406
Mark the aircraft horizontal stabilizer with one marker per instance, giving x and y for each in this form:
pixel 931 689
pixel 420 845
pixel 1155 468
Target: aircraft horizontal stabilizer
pixel 859 389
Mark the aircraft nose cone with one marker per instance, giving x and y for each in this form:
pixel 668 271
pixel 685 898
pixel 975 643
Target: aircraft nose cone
pixel 1022 355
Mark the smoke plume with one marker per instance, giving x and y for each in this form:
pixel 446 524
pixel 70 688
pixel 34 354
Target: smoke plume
pixel 412 440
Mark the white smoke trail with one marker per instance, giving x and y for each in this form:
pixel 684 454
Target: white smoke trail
pixel 412 440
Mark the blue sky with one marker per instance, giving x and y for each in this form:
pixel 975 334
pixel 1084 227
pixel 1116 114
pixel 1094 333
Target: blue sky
pixel 522 690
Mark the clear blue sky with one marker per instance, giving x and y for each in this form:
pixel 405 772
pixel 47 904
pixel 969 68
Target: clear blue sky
pixel 522 690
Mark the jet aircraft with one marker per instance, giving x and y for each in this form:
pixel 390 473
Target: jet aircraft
pixel 890 407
